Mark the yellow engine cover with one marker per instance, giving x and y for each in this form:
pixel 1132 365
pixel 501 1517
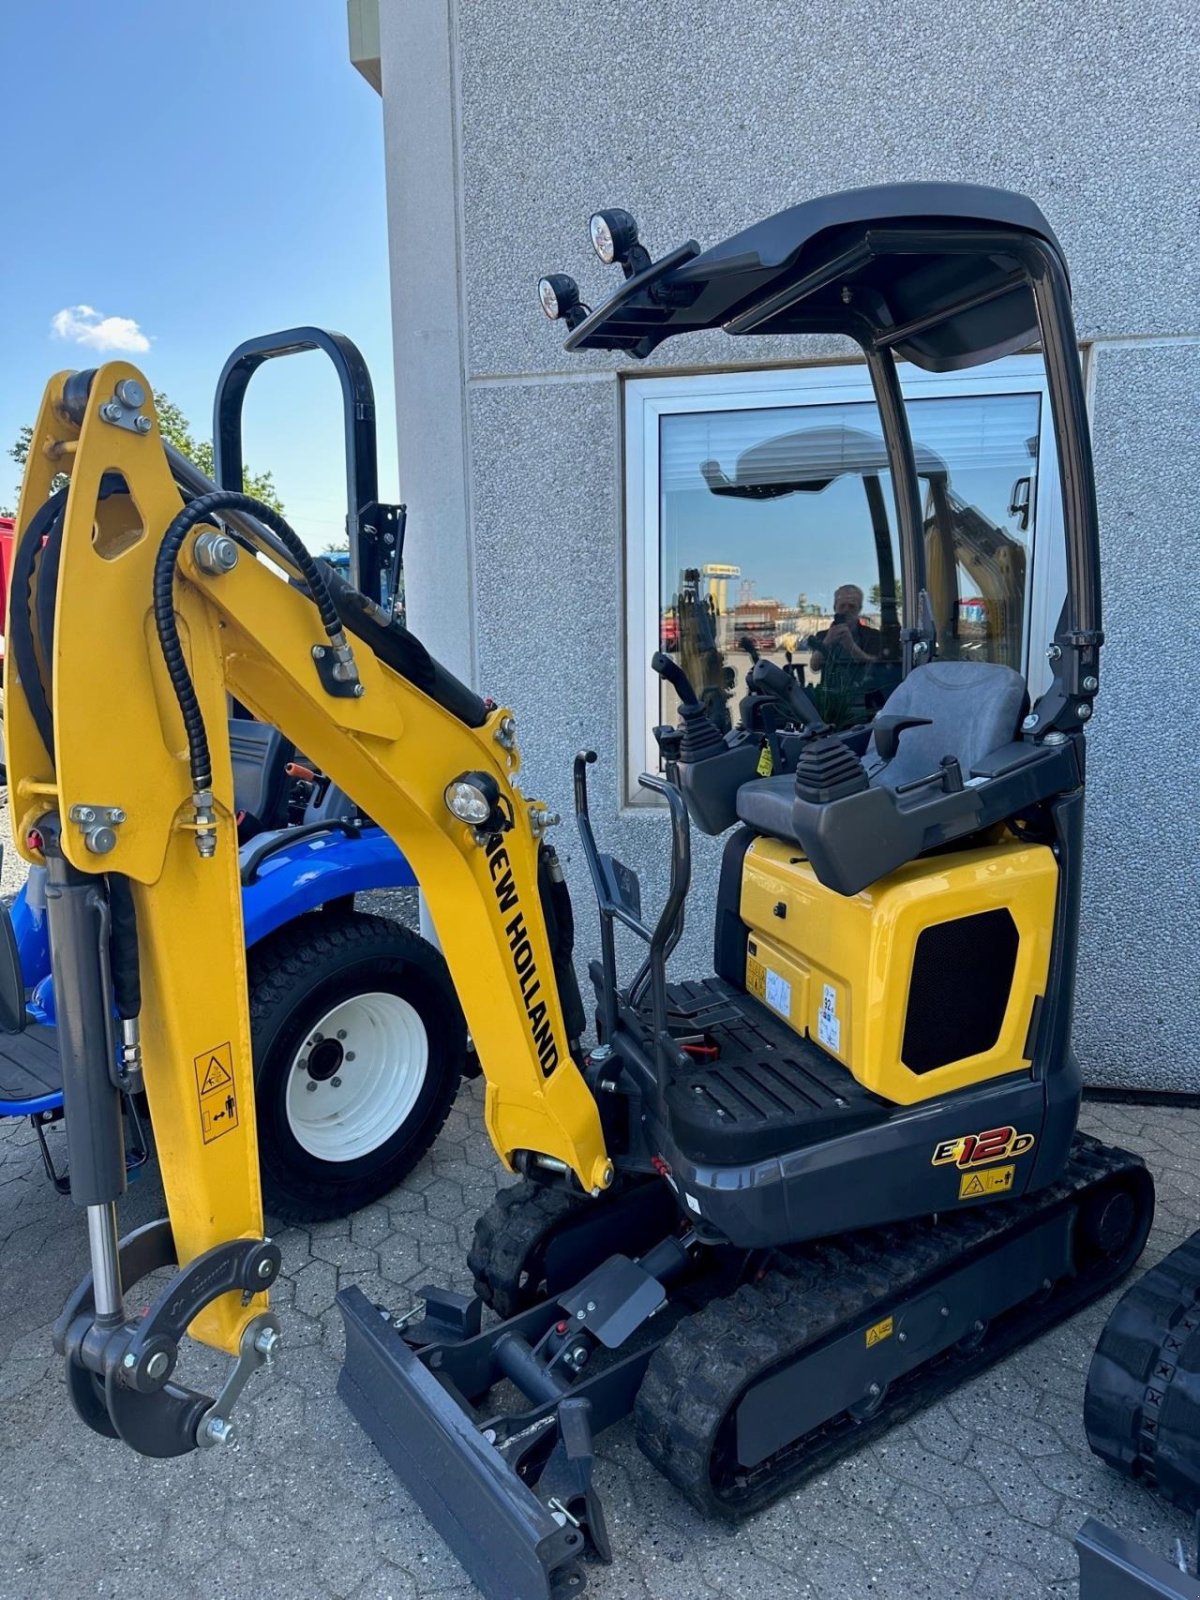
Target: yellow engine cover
pixel 841 969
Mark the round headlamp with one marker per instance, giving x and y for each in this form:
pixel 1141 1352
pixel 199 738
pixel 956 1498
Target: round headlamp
pixel 468 800
pixel 559 294
pixel 614 234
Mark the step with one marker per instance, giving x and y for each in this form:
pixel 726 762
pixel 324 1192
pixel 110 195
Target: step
pixel 768 1090
pixel 29 1068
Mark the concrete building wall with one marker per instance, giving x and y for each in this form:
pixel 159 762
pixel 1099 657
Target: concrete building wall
pixel 509 121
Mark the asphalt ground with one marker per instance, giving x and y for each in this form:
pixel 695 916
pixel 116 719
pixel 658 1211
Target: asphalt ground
pixel 980 1495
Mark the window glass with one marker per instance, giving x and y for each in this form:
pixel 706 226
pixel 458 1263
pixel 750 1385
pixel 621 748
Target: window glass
pixel 777 536
pixel 980 491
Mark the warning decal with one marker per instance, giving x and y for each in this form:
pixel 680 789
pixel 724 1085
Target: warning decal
pixel 215 1092
pixel 829 1028
pixel 995 1180
pixel 880 1331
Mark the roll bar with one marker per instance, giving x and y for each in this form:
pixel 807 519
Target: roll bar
pixel 375 530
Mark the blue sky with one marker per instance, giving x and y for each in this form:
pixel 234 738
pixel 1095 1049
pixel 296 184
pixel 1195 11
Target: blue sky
pixel 207 170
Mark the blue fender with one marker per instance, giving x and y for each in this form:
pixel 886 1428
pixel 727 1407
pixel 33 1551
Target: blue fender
pixel 303 875
pixel 298 877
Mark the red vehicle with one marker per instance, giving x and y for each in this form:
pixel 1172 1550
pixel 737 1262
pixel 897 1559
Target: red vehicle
pixel 7 530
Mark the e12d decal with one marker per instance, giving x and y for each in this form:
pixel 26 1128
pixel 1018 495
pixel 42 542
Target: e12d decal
pixel 976 1149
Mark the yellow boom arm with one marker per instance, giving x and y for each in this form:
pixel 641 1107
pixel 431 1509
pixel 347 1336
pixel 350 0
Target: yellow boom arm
pixel 119 743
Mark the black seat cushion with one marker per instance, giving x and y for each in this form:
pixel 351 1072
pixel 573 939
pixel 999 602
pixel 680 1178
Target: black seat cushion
pixel 260 756
pixel 972 708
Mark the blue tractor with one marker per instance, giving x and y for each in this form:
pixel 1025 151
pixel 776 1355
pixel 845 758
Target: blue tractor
pixel 359 1040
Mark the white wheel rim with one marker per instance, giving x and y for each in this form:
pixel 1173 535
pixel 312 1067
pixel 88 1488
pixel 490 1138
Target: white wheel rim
pixel 357 1076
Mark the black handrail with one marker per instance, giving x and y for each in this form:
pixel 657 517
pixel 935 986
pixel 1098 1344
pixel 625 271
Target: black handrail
pixel 375 531
pixel 661 939
pixel 608 957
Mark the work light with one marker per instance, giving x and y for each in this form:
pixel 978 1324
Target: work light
pixel 614 234
pixel 559 295
pixel 474 798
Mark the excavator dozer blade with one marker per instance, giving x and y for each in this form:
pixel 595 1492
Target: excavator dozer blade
pixel 507 1540
pixel 1112 1567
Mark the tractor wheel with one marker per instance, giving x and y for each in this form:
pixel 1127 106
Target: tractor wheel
pixel 359 1046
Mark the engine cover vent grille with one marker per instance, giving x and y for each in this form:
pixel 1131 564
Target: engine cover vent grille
pixel 961 982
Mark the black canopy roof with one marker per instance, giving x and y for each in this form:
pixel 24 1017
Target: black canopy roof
pixel 936 271
pixel 808 461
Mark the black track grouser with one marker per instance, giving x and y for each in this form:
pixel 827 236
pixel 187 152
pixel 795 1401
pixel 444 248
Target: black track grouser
pixel 846 1167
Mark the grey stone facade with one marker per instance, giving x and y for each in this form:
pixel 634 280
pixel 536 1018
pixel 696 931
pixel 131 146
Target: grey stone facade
pixel 508 121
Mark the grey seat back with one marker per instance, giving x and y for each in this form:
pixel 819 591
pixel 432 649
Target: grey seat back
pixel 973 707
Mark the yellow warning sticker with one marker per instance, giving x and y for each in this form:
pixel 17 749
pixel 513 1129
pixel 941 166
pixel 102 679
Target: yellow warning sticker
pixel 756 977
pixel 880 1331
pixel 215 1092
pixel 996 1180
pixel 766 764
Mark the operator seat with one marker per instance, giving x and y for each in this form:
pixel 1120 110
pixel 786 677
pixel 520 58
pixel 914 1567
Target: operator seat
pixel 971 707
pixel 260 756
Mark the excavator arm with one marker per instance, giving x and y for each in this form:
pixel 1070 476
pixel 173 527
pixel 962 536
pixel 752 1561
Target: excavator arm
pixel 102 741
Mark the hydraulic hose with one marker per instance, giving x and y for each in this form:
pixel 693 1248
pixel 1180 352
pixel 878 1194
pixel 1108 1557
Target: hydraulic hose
pixel 22 645
pixel 204 509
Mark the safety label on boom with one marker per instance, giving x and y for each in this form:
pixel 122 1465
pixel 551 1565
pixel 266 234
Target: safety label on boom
pixel 215 1092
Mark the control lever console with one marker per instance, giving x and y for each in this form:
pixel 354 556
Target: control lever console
pixel 767 678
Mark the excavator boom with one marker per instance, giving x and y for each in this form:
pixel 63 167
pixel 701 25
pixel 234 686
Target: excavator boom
pixel 105 791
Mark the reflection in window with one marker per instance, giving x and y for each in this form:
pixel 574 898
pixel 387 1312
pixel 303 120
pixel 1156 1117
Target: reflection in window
pixel 778 538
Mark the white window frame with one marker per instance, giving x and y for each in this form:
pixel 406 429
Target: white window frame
pixel 648 400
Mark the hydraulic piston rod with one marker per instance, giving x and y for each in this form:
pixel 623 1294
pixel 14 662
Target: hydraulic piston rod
pixel 78 921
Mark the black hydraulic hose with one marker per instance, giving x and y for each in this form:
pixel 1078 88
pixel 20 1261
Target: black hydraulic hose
pixel 123 947
pixel 21 643
pixel 204 509
pixel 44 607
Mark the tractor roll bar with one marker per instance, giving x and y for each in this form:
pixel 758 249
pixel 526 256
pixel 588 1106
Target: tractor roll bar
pixel 376 531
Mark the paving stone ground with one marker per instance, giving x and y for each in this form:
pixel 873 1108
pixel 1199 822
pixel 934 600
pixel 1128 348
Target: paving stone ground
pixel 979 1496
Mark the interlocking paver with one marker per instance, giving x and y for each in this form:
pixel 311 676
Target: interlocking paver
pixel 980 1495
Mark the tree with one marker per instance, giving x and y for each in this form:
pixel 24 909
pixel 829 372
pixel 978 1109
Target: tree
pixel 176 431
pixel 876 595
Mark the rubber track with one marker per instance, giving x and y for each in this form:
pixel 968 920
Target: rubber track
pixel 519 1220
pixel 818 1292
pixel 1139 1406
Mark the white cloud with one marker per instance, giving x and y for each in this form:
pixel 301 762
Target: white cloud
pixel 85 325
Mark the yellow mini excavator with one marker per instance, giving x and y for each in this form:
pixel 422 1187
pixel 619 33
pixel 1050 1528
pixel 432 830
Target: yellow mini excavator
pixel 771 1209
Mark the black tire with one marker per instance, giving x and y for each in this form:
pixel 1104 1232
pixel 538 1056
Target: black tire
pixel 296 977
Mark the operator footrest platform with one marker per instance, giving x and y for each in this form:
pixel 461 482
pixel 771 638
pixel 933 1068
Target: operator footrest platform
pixel 29 1066
pixel 757 1088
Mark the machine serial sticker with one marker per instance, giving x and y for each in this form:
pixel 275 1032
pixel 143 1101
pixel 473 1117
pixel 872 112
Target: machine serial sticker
pixel 977 1149
pixel 996 1180
pixel 880 1331
pixel 779 994
pixel 215 1092
pixel 829 1028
